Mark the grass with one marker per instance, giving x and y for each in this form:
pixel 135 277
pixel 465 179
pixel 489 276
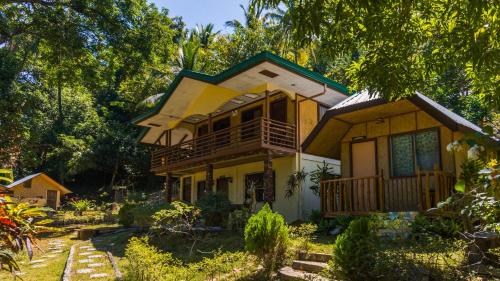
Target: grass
pixel 55 265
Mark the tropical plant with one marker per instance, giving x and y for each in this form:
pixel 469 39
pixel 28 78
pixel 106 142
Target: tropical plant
pixel 82 205
pixel 322 172
pixel 266 235
pixel 18 230
pixel 253 15
pixel 294 182
pixel 215 208
pixel 237 219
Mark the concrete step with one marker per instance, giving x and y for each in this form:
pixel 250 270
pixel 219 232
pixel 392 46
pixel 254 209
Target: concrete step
pixel 319 257
pixel 309 266
pixel 289 274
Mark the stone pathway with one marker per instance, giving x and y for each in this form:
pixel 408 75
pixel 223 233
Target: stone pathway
pixel 91 263
pixel 54 249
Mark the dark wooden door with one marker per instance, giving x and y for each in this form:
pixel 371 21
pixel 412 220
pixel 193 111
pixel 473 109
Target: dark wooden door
pixel 202 143
pixel 221 130
pixel 278 110
pixel 186 189
pixel 52 199
pixel 251 131
pixel 223 186
pixel 201 188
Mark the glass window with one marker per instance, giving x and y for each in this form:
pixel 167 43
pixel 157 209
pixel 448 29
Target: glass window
pixel 427 150
pixel 256 181
pixel 402 155
pixel 413 150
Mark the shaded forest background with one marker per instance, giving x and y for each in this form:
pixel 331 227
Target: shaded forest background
pixel 74 73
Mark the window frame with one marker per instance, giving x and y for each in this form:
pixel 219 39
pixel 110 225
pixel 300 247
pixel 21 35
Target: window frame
pixel 274 186
pixel 414 150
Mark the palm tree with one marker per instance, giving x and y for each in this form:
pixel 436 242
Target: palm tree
pixel 252 14
pixel 205 34
pixel 280 19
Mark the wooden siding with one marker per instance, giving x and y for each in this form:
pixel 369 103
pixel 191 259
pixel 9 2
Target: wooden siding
pixel 383 128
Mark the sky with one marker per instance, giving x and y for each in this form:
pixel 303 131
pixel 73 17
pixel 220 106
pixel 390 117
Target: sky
pixel 204 11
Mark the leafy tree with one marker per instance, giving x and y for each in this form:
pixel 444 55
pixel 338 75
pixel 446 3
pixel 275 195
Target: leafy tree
pixel 403 44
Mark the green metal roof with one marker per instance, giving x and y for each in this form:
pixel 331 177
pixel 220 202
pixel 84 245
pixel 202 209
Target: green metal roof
pixel 234 70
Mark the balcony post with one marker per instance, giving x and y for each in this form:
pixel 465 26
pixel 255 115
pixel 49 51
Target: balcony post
pixel 169 180
pixel 268 179
pixel 210 177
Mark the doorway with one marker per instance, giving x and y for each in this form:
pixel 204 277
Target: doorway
pixel 52 199
pixel 364 165
pixel 250 131
pixel 221 130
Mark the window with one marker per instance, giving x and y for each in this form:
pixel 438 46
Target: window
pixel 186 189
pixel 409 151
pixel 176 188
pixel 256 181
pixel 321 111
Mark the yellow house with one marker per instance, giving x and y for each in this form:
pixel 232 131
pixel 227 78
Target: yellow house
pixel 393 154
pixel 37 189
pixel 239 131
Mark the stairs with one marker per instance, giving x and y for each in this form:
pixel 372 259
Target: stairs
pixel 306 267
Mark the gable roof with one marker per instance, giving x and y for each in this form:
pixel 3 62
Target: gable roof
pixel 30 177
pixel 365 99
pixel 236 69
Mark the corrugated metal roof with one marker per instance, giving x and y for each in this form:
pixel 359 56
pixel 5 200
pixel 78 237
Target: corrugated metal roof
pixel 357 98
pixel 19 181
pixel 366 96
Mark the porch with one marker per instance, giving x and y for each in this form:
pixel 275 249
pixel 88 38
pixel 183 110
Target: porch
pixel 365 195
pixel 245 139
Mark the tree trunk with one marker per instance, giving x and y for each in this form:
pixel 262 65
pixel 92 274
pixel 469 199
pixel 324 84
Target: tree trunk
pixel 113 177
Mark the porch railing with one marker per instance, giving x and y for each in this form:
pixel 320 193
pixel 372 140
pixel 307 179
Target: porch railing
pixel 376 194
pixel 258 133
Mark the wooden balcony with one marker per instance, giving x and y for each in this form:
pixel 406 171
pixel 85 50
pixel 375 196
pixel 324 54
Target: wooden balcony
pixel 247 138
pixel 358 196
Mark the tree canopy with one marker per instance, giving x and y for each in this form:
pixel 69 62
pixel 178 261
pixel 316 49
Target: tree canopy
pixel 74 73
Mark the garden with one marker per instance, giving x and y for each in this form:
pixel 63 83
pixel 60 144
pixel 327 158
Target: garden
pixel 213 240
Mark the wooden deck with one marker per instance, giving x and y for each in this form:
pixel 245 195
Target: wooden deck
pixel 358 196
pixel 244 139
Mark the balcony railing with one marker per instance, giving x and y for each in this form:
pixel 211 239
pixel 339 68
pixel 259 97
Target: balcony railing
pixel 261 133
pixel 375 194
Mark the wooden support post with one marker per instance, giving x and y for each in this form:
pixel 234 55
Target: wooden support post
pixel 268 179
pixel 268 110
pixel 381 191
pixel 437 185
pixel 169 181
pixel 210 177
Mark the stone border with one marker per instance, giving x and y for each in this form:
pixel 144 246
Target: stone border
pixel 69 263
pixel 118 273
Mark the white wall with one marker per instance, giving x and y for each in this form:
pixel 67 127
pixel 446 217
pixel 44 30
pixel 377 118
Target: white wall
pixel 310 163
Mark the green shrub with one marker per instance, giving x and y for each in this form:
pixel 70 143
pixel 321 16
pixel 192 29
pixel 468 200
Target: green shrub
pixel 125 215
pixel 147 263
pixel 266 235
pixel 237 219
pixel 354 252
pixel 214 208
pixel 304 234
pixel 82 205
pixel 143 213
pixel 444 227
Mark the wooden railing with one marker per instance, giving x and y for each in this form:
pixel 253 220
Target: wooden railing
pixel 247 136
pixel 376 194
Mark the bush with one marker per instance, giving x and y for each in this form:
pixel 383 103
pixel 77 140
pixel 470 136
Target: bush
pixel 354 252
pixel 82 205
pixel 304 234
pixel 125 215
pixel 143 213
pixel 237 219
pixel 444 227
pixel 266 235
pixel 214 208
pixel 146 262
